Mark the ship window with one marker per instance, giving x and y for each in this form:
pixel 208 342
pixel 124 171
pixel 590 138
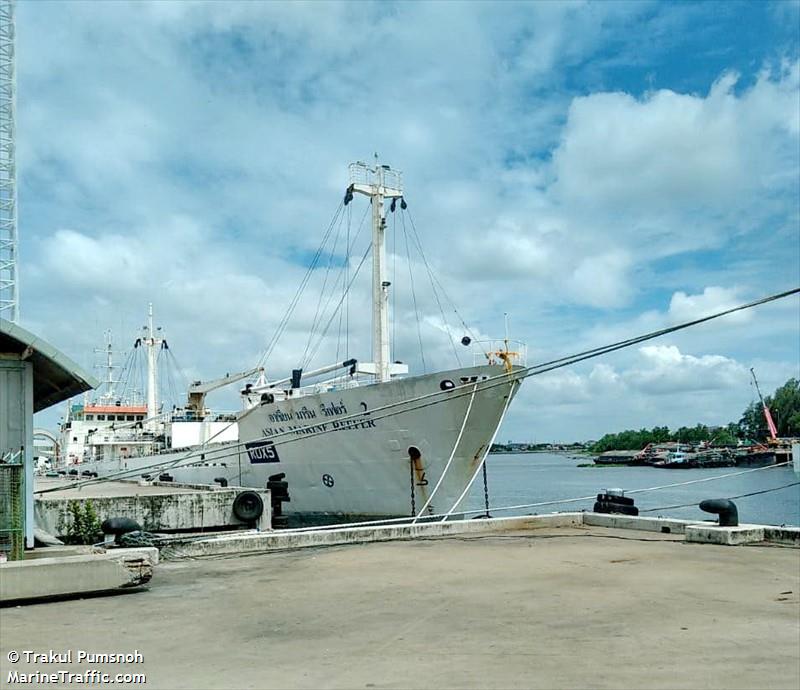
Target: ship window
pixel 101 418
pixel 129 418
pixel 139 417
pixel 89 417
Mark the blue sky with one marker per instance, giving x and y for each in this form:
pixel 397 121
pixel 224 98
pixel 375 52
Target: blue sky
pixel 593 169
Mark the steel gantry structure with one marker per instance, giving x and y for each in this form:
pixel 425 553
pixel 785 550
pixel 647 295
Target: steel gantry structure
pixel 9 284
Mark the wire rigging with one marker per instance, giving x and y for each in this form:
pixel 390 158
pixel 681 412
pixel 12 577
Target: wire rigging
pixel 435 279
pixel 342 218
pixel 317 315
pixel 296 298
pixel 437 397
pixel 343 311
pixel 445 322
pixel 730 498
pixel 342 271
pixel 394 282
pixel 414 298
pixel 339 304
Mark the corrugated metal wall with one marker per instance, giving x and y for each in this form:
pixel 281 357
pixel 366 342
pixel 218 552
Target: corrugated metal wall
pixel 12 403
pixel 16 432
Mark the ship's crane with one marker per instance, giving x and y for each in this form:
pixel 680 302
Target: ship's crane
pixel 198 390
pixel 773 432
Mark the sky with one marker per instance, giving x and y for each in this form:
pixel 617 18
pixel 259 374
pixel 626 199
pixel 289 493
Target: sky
pixel 594 170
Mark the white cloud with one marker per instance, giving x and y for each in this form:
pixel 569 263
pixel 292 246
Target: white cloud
pixel 191 154
pixel 602 280
pixel 670 149
pixel 665 369
pixel 713 299
pixel 652 386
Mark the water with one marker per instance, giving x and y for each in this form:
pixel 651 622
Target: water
pixel 533 477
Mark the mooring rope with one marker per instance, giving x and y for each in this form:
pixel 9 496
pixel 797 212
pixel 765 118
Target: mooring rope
pixel 425 400
pixel 523 506
pixel 450 459
pixel 486 453
pixel 730 498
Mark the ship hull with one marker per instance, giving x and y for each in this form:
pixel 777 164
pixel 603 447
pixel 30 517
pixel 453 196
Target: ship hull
pixel 373 450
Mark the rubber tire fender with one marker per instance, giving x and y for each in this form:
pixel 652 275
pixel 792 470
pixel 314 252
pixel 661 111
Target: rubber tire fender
pixel 248 506
pixel 119 525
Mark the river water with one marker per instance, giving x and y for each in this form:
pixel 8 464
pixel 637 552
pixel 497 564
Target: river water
pixel 525 478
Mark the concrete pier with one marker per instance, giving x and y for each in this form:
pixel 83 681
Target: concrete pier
pixel 555 607
pixel 156 506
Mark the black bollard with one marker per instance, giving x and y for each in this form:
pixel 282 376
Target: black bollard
pixel 728 514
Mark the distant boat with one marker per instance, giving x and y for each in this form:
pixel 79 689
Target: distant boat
pixel 677 459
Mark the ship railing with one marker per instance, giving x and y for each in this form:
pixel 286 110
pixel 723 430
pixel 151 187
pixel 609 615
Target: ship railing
pixel 361 173
pixel 334 384
pixel 283 394
pixel 499 351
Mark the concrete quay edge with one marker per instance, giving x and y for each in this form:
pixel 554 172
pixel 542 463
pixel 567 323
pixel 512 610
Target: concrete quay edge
pixel 708 532
pixel 278 540
pixel 43 578
pixel 647 524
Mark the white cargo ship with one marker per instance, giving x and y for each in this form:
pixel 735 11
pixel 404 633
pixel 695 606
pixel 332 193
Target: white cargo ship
pixel 368 440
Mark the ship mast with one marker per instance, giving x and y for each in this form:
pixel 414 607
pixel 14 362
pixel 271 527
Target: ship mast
pixel 152 343
pixel 110 382
pixel 378 183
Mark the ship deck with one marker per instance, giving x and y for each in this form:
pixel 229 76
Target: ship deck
pixel 533 608
pixel 106 489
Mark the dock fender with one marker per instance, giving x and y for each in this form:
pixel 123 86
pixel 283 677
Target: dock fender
pixel 248 506
pixel 119 525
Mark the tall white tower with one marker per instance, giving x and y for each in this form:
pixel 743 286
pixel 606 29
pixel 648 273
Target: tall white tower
pixel 9 285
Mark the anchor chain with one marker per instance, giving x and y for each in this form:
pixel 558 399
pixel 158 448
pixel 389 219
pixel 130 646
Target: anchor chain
pixel 413 492
pixel 486 489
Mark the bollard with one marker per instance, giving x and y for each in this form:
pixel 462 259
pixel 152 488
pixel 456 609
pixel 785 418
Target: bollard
pixel 728 514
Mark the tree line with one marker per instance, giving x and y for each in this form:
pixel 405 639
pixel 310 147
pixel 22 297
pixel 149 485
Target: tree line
pixel 784 404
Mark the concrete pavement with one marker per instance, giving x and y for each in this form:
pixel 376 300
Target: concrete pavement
pixel 570 607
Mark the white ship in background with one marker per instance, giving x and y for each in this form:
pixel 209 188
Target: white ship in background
pixel 353 438
pixel 119 424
